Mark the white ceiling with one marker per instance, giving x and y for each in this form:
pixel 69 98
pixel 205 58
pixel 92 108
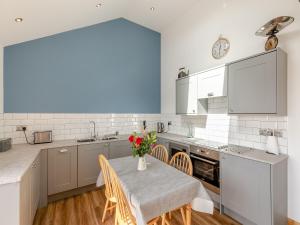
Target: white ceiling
pixel 46 17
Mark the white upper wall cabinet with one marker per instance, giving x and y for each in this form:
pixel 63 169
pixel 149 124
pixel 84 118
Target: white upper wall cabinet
pixel 212 83
pixel 186 95
pixel 258 84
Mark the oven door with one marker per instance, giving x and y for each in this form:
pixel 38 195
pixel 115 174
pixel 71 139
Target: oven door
pixel 206 169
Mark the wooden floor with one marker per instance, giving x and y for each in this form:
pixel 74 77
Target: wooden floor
pixel 86 209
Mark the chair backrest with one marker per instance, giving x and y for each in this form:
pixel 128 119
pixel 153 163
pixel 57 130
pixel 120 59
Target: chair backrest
pixel 105 168
pixel 160 152
pixel 123 211
pixel 182 162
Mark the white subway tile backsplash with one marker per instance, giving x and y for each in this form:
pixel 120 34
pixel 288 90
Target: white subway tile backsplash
pixel 252 123
pixel 19 116
pixel 235 129
pixel 70 126
pixel 282 125
pixel 8 116
pixel 253 138
pixel 245 130
pixel 269 124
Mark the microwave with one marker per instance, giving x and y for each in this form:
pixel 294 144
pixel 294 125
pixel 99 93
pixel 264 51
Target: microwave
pixel 40 137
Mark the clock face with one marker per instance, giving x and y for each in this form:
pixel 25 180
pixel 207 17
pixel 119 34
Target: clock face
pixel 220 48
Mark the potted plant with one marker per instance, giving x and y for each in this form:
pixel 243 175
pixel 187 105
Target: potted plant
pixel 141 145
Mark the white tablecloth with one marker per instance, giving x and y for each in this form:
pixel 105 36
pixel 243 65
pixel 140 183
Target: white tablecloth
pixel 159 189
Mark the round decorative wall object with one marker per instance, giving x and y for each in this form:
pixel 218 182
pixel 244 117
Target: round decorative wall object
pixel 220 48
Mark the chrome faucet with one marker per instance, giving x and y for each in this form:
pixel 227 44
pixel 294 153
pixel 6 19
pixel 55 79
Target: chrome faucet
pixel 94 126
pixel 190 130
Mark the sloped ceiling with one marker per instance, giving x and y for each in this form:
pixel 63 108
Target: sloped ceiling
pixel 46 17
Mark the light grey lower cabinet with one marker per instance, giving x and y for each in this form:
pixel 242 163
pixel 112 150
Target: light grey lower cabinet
pixel 254 190
pixel 88 163
pixel 118 149
pixel 62 169
pixel 74 167
pixel 35 186
pixel 25 199
pixel 30 193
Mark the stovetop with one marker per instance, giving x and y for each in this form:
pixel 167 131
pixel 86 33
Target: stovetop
pixel 236 149
pixel 209 144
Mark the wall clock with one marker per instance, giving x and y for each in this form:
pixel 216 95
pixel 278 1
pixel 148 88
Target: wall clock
pixel 220 48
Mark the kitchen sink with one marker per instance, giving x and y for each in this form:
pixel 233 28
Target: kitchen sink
pixel 86 140
pixel 109 138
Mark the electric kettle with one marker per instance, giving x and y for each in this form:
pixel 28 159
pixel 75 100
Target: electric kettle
pixel 160 127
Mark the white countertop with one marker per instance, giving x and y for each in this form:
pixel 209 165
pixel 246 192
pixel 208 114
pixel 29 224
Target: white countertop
pixel 16 161
pixel 249 153
pixel 255 154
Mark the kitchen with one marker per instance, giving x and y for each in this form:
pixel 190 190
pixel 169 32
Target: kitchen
pixel 44 89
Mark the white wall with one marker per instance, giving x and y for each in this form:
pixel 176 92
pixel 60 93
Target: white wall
pixel 187 42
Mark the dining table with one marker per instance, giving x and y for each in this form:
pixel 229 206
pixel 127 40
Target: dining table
pixel 159 189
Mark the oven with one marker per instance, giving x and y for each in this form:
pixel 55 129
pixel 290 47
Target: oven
pixel 206 165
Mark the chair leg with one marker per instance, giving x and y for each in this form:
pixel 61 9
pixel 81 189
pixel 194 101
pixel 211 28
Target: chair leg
pixel 105 210
pixel 183 216
pixel 188 214
pixel 163 222
pixel 167 222
pixel 170 215
pixel 116 219
pixel 111 207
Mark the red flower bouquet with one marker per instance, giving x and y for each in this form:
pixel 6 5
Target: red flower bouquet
pixel 142 145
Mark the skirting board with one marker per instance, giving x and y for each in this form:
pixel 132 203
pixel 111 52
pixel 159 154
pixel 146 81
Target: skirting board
pixel 293 222
pixel 68 194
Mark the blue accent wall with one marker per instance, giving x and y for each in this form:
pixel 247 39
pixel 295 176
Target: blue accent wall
pixel 111 67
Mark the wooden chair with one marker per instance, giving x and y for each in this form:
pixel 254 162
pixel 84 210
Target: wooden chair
pixel 124 215
pixel 182 162
pixel 160 152
pixel 111 201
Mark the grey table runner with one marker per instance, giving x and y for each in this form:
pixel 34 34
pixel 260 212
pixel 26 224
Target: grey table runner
pixel 159 189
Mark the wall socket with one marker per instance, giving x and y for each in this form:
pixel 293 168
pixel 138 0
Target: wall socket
pixel 270 132
pixel 21 128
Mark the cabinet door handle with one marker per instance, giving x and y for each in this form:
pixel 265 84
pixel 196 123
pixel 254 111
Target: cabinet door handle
pixel 63 150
